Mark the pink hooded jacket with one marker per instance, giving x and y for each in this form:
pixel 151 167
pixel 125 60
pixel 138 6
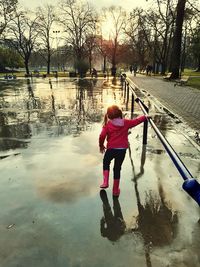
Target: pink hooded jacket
pixel 116 131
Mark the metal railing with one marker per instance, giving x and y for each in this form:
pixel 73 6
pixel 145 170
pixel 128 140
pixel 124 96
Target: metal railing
pixel 190 185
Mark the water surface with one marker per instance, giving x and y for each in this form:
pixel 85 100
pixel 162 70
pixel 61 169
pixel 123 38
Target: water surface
pixel 52 210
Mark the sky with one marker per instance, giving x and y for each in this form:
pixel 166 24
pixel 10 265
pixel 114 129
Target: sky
pixel 127 4
pixel 107 26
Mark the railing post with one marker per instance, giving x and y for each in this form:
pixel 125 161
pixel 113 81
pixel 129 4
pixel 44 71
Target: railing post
pixel 127 95
pixel 127 92
pixel 121 80
pixel 132 105
pixel 125 89
pixel 145 129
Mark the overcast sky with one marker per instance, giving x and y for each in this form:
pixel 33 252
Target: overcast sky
pixel 127 4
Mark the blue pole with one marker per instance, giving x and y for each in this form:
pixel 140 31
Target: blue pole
pixel 190 185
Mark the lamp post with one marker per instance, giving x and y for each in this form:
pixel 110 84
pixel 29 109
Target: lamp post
pixel 56 32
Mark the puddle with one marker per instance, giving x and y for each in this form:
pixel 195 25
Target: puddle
pixel 52 210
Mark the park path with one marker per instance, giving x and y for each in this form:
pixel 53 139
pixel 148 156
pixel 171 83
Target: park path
pixel 183 101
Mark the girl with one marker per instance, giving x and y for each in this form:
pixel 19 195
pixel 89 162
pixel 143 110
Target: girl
pixel 115 129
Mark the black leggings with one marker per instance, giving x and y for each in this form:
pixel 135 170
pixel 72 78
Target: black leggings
pixel 118 155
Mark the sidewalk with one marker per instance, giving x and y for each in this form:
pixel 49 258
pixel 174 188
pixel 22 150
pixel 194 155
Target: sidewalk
pixel 182 101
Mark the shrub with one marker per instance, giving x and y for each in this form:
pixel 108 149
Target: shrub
pixel 82 66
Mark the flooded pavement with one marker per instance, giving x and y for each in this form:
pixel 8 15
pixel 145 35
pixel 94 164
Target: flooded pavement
pixel 52 210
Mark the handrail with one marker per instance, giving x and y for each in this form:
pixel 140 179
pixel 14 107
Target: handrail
pixel 185 173
pixel 190 185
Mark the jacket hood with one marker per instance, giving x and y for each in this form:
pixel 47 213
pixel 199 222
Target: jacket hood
pixel 117 122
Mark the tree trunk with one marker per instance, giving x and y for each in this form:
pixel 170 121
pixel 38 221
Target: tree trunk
pixel 183 57
pixel 26 66
pixel 198 67
pixel 90 62
pixel 113 69
pixel 163 67
pixel 157 67
pixel 104 64
pixel 176 50
pixel 48 63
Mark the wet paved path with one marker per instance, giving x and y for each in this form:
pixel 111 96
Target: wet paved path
pixel 183 101
pixel 52 213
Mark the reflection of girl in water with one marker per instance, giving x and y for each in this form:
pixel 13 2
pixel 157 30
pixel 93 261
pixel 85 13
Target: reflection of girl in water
pixel 112 225
pixel 115 129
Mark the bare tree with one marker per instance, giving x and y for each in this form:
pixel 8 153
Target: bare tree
pixel 23 33
pixel 193 6
pixel 138 35
pixel 151 33
pixel 79 21
pixel 188 25
pixel 103 47
pixel 162 24
pixel 90 46
pixel 46 20
pixel 7 8
pixel 190 53
pixel 118 17
pixel 195 46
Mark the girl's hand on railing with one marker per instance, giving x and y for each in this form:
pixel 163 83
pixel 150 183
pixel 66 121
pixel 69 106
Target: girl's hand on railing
pixel 148 117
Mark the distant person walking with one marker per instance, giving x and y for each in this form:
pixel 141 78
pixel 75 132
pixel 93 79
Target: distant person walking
pixel 115 130
pixel 94 73
pixel 131 69
pixel 149 69
pixel 135 70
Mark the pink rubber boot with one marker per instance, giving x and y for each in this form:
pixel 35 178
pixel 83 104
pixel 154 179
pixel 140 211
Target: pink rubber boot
pixel 105 179
pixel 116 190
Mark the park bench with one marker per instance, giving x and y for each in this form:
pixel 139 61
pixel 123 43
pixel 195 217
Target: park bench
pixel 10 77
pixel 182 81
pixel 168 77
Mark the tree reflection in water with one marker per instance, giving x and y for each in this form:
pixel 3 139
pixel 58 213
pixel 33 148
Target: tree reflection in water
pixel 15 130
pixel 156 222
pixel 85 110
pixel 32 102
pixel 112 223
pixel 26 112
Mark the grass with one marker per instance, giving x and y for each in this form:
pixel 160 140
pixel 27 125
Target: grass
pixel 41 73
pixel 194 82
pixel 22 74
pixel 189 72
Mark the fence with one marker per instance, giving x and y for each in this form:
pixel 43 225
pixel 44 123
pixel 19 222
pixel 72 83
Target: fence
pixel 190 185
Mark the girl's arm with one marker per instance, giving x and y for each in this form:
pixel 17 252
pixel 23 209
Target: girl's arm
pixel 102 138
pixel 136 121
